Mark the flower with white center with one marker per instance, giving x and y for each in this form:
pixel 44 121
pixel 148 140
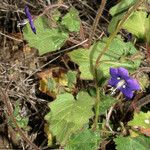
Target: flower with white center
pixel 121 80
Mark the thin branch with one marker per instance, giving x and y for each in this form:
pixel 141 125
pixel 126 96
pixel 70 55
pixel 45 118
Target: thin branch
pixel 96 21
pixel 53 6
pixel 143 101
pixel 39 69
pixel 10 37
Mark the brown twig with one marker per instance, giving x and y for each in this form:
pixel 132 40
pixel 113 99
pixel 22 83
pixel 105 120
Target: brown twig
pixel 10 37
pixel 5 99
pixel 40 68
pixel 98 16
pixel 143 101
pixel 52 6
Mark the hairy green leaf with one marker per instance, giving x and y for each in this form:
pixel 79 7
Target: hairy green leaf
pixel 141 119
pixel 121 7
pixel 46 39
pixel 116 56
pixel 69 115
pixel 138 24
pixel 105 103
pixel 71 20
pixel 85 140
pixel 72 78
pixel 136 143
pixel 114 22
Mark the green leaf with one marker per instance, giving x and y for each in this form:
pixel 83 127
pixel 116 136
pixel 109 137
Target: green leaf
pixel 85 140
pixel 121 7
pixel 69 115
pixel 116 56
pixel 136 143
pixel 71 20
pixel 72 78
pixel 138 24
pixel 114 22
pixel 147 29
pixel 105 103
pixel 45 39
pixel 141 120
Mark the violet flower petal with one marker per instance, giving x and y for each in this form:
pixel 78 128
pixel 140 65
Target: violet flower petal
pixel 128 93
pixel 123 72
pixel 27 12
pixel 114 72
pixel 129 84
pixel 133 84
pixel 113 82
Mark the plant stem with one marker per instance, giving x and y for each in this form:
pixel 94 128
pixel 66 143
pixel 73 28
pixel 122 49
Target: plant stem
pixel 98 16
pixel 112 36
pixel 97 104
pixel 93 29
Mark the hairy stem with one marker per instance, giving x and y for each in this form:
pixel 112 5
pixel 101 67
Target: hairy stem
pixel 93 29
pixel 97 105
pixel 98 16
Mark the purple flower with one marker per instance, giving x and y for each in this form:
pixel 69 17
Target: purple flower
pixel 30 19
pixel 121 80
